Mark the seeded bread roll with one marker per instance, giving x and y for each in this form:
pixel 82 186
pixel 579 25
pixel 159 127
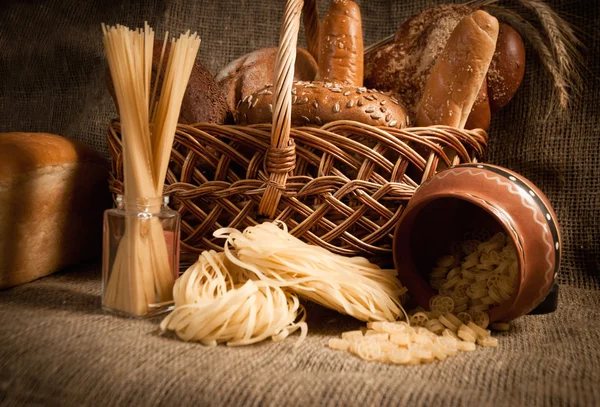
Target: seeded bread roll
pixel 459 72
pixel 53 192
pixel 318 103
pixel 341 56
pixel 253 71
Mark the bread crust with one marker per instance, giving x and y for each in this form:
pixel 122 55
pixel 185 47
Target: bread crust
pixel 253 71
pixel 341 50
pixel 22 153
pixel 404 65
pixel 317 103
pixel 481 114
pixel 506 69
pixel 459 72
pixel 53 192
pixel 203 100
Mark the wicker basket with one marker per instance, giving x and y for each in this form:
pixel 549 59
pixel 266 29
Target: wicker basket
pixel 342 186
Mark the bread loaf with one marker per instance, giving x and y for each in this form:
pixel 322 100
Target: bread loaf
pixel 481 114
pixel 203 101
pixel 53 192
pixel 341 58
pixel 507 67
pixel 253 71
pixel 404 65
pixel 317 103
pixel 459 72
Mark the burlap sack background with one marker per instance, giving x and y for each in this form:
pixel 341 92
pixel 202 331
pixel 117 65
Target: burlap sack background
pixel 57 347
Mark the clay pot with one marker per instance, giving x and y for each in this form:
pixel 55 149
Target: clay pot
pixel 479 196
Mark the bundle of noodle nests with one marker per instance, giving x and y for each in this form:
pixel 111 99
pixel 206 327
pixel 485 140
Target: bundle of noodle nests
pixel 251 291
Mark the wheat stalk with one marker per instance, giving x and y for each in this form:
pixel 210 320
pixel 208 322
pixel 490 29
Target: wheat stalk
pixel 562 35
pixel 557 47
pixel 564 83
pixel 563 41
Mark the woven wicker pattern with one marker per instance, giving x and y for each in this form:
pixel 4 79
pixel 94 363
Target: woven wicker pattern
pixel 342 186
pixel 347 187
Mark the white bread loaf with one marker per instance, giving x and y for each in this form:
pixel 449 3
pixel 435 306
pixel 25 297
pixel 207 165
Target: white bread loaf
pixel 53 192
pixel 341 55
pixel 459 72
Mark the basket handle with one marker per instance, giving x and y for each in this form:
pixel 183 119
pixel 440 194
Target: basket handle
pixel 281 155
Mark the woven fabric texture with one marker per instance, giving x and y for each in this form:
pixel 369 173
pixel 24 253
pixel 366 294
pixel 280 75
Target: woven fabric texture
pixel 57 347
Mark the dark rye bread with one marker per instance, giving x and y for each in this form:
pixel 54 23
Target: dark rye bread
pixel 253 71
pixel 317 103
pixel 203 100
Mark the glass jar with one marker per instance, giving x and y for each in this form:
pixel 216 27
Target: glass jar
pixel 140 259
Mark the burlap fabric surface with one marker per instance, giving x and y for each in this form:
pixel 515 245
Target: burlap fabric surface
pixel 58 348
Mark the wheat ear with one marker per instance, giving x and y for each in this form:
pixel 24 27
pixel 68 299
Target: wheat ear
pixel 565 81
pixel 557 46
pixel 563 41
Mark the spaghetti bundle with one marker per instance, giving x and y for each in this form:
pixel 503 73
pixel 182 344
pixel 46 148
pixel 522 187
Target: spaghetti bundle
pixel 141 274
pixel 349 285
pixel 217 302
